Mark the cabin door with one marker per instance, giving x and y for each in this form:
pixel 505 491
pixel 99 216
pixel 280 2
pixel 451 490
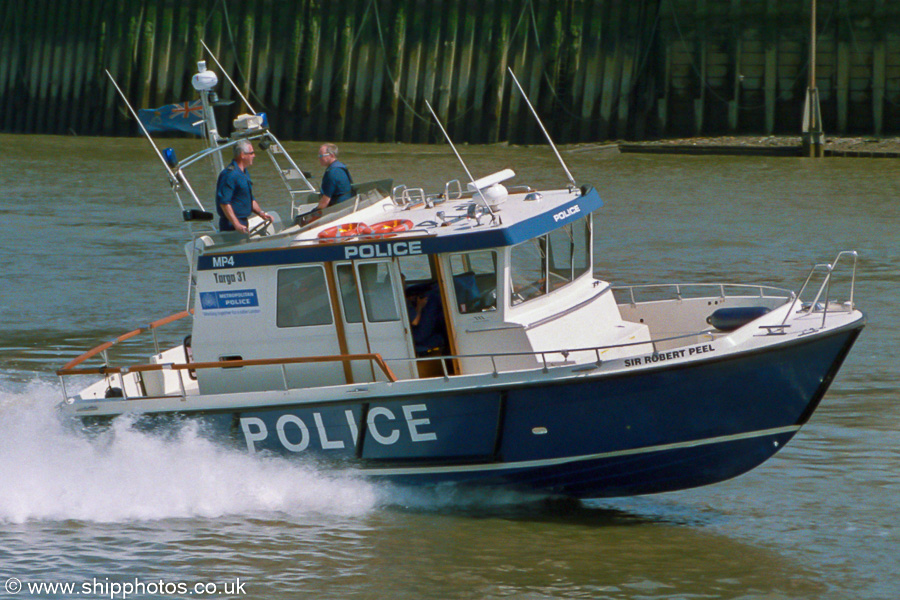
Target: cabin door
pixel 374 317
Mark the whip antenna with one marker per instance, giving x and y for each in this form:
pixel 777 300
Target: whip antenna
pixel 547 135
pixel 175 178
pixel 230 80
pixel 144 129
pixel 449 141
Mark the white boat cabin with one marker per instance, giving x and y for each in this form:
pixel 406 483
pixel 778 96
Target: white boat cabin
pixel 486 279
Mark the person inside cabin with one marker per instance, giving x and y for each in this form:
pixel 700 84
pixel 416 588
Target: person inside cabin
pixel 426 317
pixel 337 185
pixel 234 192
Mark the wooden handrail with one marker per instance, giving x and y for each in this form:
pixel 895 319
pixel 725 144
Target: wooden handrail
pixel 125 336
pixel 344 358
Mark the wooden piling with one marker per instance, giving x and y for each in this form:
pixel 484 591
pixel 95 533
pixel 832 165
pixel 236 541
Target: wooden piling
pixel 414 35
pixel 163 43
pixel 501 59
pixel 395 51
pixel 593 71
pixel 312 51
pixel 345 62
pixel 463 86
pixel 734 50
pixel 33 62
pixel 543 78
pixel 11 31
pixel 294 32
pixel 843 64
pixel 484 72
pixel 433 17
pixel 359 117
pixel 879 63
pixel 447 67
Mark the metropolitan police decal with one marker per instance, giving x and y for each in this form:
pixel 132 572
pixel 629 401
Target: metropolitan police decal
pixel 232 302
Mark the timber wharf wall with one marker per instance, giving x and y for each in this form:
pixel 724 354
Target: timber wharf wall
pixel 361 70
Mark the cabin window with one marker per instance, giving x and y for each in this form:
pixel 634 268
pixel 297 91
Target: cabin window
pixel 568 253
pixel 581 247
pixel 474 281
pixel 349 295
pixel 378 292
pixel 550 261
pixel 560 249
pixel 416 269
pixel 528 270
pixel 302 297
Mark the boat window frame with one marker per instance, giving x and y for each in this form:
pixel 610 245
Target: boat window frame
pixel 544 246
pixel 588 252
pixel 466 260
pixel 323 293
pixel 352 299
pixel 560 240
pixel 378 286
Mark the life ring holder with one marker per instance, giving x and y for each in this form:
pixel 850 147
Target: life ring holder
pixel 391 227
pixel 344 230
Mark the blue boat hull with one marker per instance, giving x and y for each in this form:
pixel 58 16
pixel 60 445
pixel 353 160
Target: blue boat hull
pixel 655 431
pixel 652 430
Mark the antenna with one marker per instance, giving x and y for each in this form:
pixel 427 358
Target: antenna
pixel 144 129
pixel 449 141
pixel 176 178
pixel 225 73
pixel 547 135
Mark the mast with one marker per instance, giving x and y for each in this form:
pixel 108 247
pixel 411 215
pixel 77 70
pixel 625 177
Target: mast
pixel 204 81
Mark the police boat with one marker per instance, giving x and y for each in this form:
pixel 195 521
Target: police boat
pixel 461 336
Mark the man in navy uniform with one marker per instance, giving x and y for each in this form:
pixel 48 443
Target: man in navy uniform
pixel 234 191
pixel 336 182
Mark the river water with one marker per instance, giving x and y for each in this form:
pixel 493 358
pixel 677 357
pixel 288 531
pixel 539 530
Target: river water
pixel 92 248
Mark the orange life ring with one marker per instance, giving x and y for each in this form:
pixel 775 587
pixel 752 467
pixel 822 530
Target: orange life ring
pixel 394 226
pixel 345 230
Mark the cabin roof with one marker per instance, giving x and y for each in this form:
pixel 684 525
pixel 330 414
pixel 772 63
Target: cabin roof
pixel 444 227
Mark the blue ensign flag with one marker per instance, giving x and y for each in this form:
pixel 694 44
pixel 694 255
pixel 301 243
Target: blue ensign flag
pixel 173 117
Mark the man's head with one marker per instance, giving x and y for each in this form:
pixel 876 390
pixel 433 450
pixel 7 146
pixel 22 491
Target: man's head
pixel 244 153
pixel 327 154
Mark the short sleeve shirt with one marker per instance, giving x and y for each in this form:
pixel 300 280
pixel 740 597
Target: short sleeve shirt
pixel 234 187
pixel 337 183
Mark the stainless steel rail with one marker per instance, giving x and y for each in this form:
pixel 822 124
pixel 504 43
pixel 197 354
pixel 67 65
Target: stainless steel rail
pixel 825 287
pixel 761 291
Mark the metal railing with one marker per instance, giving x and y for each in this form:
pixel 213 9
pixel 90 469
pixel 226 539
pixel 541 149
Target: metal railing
pixel 542 357
pixel 229 364
pixel 761 291
pixel 71 368
pixel 825 287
